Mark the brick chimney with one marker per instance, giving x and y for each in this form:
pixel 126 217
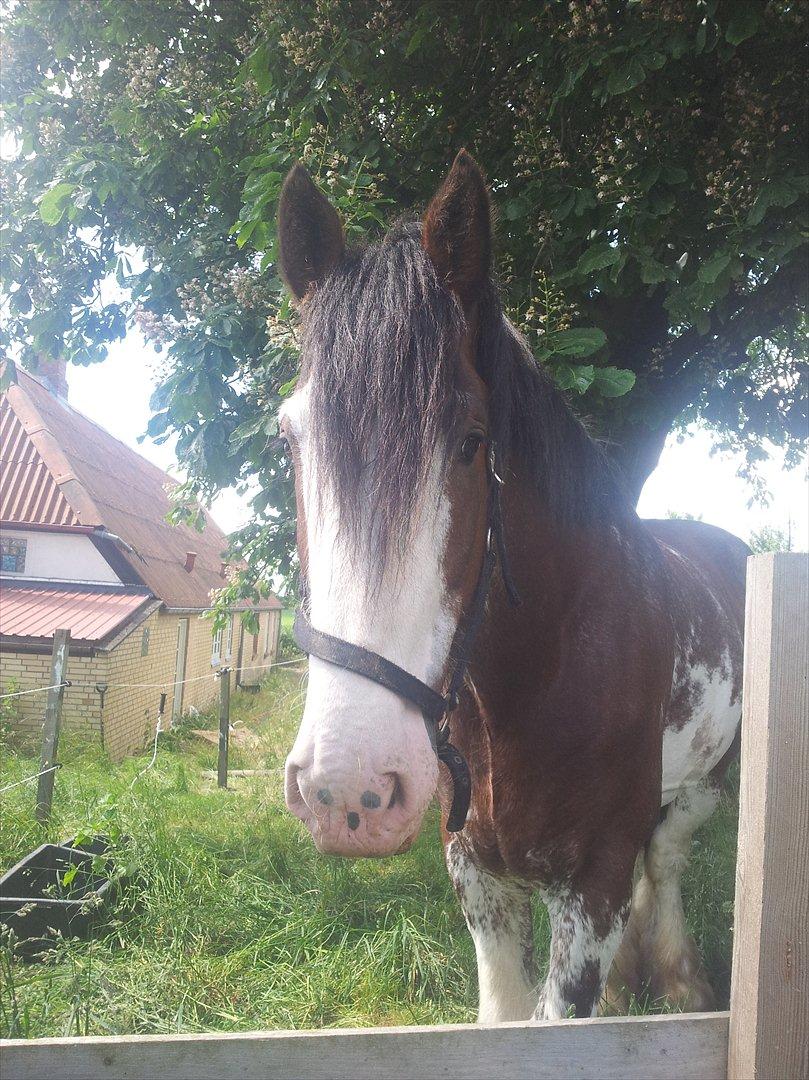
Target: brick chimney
pixel 190 559
pixel 53 373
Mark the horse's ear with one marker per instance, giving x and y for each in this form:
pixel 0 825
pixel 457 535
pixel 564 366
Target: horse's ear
pixel 310 235
pixel 457 232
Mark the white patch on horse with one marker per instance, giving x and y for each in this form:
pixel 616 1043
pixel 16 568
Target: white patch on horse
pixel 691 753
pixel 498 913
pixel 580 957
pixel 404 616
pixel 356 734
pixel 658 954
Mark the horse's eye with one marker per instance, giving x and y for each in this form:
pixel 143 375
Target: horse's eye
pixel 470 446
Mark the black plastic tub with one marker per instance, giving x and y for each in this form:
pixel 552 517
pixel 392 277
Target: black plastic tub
pixel 37 904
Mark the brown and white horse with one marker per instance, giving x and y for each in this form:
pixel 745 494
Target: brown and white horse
pixel 599 716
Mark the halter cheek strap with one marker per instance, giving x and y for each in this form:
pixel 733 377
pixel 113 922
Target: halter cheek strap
pixel 434 706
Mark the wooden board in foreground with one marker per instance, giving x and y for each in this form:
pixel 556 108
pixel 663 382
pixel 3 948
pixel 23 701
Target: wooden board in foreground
pixel 769 1000
pixel 684 1047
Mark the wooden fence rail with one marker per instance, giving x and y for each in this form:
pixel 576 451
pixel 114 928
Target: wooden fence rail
pixel 764 1037
pixel 650 1047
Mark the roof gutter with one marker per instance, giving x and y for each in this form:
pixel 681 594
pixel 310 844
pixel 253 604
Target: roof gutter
pixel 35 526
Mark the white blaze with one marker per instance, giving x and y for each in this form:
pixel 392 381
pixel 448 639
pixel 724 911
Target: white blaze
pixel 352 729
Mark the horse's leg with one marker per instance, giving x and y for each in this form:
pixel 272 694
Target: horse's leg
pixel 498 914
pixel 658 952
pixel 585 932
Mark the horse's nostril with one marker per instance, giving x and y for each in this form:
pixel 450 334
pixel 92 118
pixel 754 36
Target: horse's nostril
pixel 397 795
pixel 370 800
pixel 325 796
pixel 353 819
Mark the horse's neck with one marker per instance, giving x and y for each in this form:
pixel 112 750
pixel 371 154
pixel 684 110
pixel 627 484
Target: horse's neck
pixel 552 562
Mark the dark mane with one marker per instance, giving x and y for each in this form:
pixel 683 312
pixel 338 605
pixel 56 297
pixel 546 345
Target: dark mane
pixel 381 352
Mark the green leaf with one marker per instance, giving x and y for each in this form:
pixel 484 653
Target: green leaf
pixel 744 21
pixel 245 231
pixel 597 258
pixel 612 382
pixel 320 79
pixel 581 341
pixel 513 209
pixel 782 191
pixel 652 272
pixel 54 203
pixel 70 874
pixel 419 34
pixel 675 174
pixel 648 176
pixel 711 270
pixel 622 80
pixel 576 378
pixel 8 374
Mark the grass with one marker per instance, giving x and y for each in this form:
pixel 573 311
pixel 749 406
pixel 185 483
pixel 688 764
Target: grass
pixel 234 922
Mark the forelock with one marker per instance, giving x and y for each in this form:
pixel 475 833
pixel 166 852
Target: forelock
pixel 380 355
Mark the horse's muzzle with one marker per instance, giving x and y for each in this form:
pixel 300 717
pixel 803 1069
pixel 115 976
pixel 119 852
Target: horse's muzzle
pixel 365 818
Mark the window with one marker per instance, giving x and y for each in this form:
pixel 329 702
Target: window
pixel 12 556
pixel 216 648
pixel 144 642
pixel 229 639
pixel 268 637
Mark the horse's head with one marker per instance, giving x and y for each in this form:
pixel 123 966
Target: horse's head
pixel 388 432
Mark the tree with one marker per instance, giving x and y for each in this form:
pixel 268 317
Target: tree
pixel 770 538
pixel 646 159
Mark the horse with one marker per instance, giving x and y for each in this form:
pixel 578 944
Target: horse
pixel 597 715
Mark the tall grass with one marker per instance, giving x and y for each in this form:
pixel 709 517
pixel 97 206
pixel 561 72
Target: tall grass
pixel 233 921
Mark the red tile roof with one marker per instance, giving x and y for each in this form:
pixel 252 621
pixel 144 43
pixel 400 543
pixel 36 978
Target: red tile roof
pixel 92 479
pixel 29 492
pixel 91 615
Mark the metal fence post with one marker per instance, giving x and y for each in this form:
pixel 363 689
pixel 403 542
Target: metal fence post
pixel 53 720
pixel 224 727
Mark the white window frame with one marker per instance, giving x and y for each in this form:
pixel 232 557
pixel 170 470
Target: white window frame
pixel 216 647
pixel 229 639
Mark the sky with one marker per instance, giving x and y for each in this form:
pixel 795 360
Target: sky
pixel 688 480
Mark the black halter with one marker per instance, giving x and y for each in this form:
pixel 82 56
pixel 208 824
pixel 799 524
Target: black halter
pixel 435 707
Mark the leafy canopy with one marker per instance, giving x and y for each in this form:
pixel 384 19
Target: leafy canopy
pixel 645 158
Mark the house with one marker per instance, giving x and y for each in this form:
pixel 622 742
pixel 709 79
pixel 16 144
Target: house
pixel 86 546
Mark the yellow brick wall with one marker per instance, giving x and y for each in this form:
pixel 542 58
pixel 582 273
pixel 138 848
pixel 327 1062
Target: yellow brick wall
pixel 254 668
pixel 81 705
pixel 129 716
pixel 204 690
pixel 130 712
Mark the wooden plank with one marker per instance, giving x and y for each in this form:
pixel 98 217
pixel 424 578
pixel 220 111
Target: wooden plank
pixel 224 727
pixel 769 1007
pixel 684 1047
pixel 52 724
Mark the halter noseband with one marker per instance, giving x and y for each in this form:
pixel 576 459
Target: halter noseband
pixel 434 706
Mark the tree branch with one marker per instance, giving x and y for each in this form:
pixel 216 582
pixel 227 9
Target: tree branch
pixel 741 320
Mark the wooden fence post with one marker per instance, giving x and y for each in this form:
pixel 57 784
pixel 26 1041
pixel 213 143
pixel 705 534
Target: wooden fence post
pixel 224 727
pixel 769 1002
pixel 53 721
